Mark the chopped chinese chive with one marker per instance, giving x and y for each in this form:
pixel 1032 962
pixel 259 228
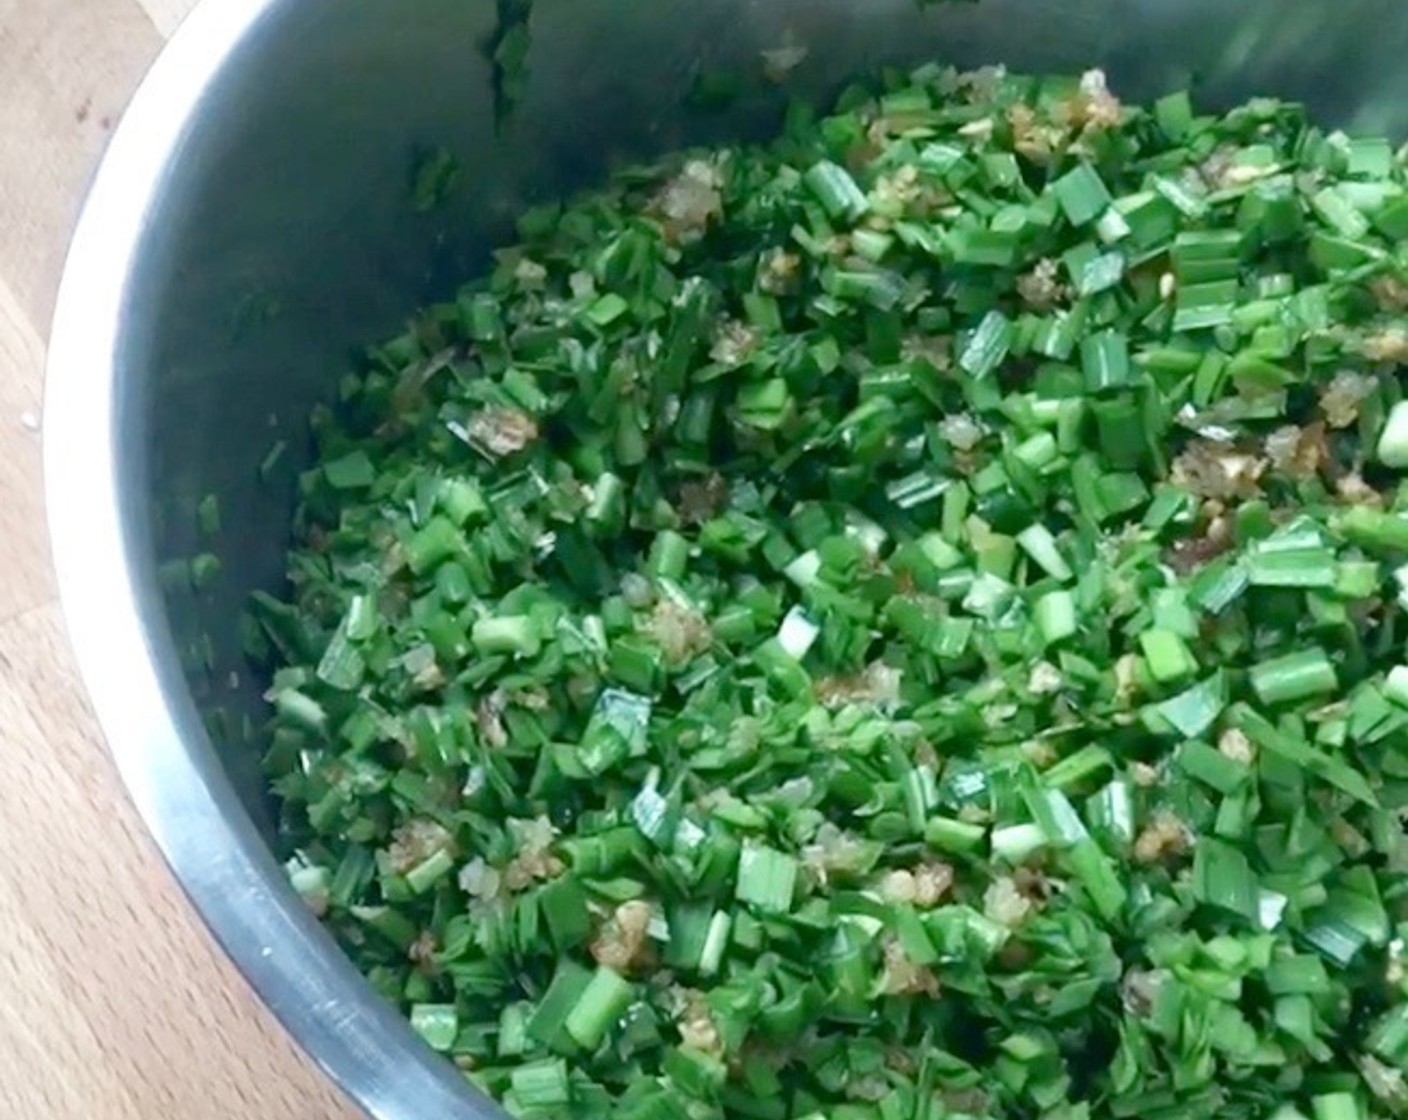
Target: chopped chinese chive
pixel 1082 194
pixel 515 634
pixel 1336 1106
pixel 1300 567
pixel 988 345
pixel 1105 359
pixel 426 874
pixel 669 556
pixel 1375 529
pixel 601 1004
pixel 434 543
pixel 1335 210
pixel 1192 712
pixel 1204 306
pixel 836 190
pixel 1174 114
pixel 1016 843
pixel 1041 546
pixel 354 471
pixel 711 955
pixel 798 633
pixel 437 1023
pixel 462 500
pixel 767 878
pixel 1222 878
pixel 1298 975
pixel 1077 769
pixel 1396 685
pixel 1393 444
pixel 1055 614
pixel 607 309
pixel 1389 1037
pixel 1167 655
pixel 1296 676
pixel 1202 763
pixel 541 1085
pixel 959 837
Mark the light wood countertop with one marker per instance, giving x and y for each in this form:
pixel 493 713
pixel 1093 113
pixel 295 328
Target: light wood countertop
pixel 115 1003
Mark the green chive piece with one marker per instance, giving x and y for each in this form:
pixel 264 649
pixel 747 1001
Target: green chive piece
pixel 437 1023
pixel 1082 195
pixel 767 879
pixel 1296 676
pixel 1393 444
pixel 598 1008
pixel 836 190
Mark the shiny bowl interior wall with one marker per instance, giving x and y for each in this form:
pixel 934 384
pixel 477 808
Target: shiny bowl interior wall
pixel 252 225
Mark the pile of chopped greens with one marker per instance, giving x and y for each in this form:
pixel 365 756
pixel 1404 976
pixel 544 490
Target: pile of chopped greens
pixel 903 623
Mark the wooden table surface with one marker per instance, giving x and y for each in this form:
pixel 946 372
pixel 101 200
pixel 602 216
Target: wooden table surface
pixel 115 1003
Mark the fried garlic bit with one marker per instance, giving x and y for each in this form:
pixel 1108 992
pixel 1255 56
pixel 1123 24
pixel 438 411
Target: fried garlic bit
pixel 779 271
pixel 902 977
pixel 734 343
pixel 1217 470
pixel 623 942
pixel 1388 345
pixel 1045 679
pixel 1224 169
pixel 702 499
pixel 1041 288
pixel 1342 397
pixel 535 860
pixel 415 842
pixel 833 851
pixel 1298 452
pixel 1005 904
pixel 501 431
pixel 878 684
pixel 1353 489
pixel 423 949
pixel 923 887
pixel 896 191
pixel 489 718
pixel 679 631
pixel 1143 775
pixel 980 85
pixel 961 432
pixel 871 1086
pixel 1040 753
pixel 1093 109
pixel 1235 745
pixel 690 201
pixel 1036 139
pixel 936 349
pixel 480 881
pixel 1102 108
pixel 1165 837
pixel 1389 292
pixel 694 1021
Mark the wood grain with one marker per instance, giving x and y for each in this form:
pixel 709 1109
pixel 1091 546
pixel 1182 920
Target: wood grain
pixel 115 1003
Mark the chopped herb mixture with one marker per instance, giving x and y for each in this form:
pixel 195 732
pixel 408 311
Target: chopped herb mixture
pixel 903 623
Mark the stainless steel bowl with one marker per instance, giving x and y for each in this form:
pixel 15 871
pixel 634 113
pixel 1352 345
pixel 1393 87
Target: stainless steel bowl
pixel 252 224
